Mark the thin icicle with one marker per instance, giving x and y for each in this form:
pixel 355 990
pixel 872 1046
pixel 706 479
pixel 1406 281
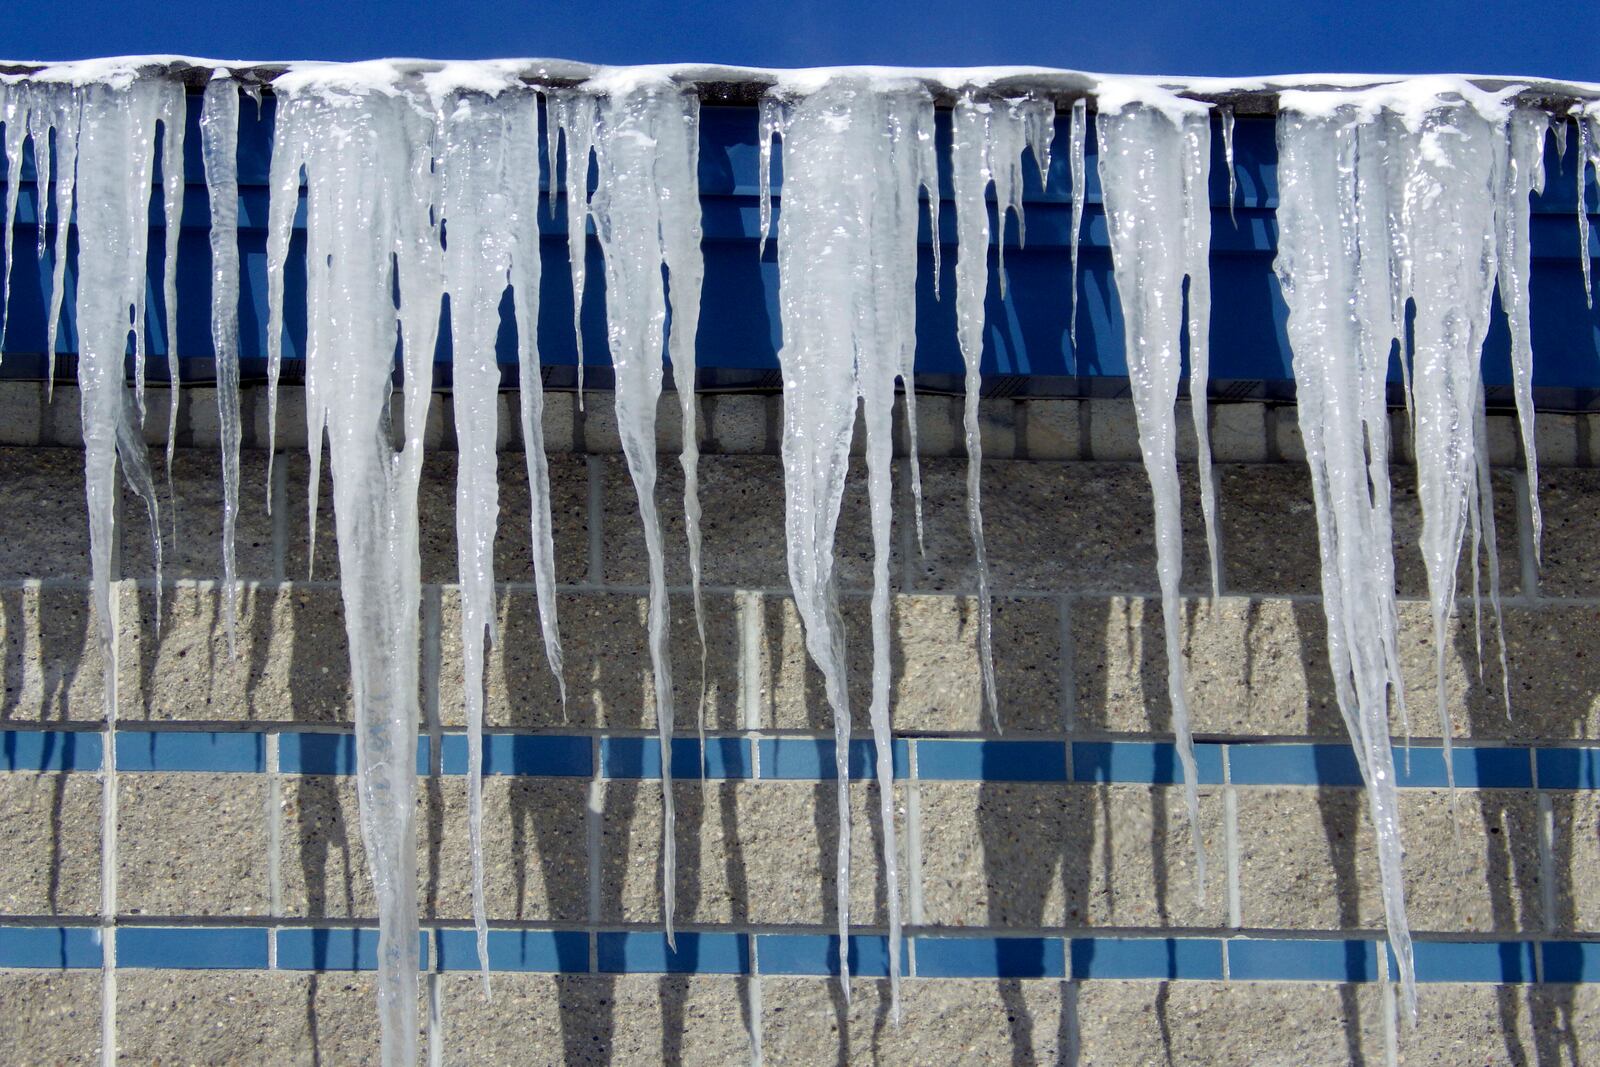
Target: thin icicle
pixel 1587 151
pixel 1077 138
pixel 1152 166
pixel 574 116
pixel 219 144
pixel 1524 177
pixel 986 147
pixel 63 118
pixel 847 267
pixel 370 236
pixel 524 275
pixel 646 209
pixel 288 156
pixel 173 118
pixel 14 115
pixel 1197 269
pixel 1226 114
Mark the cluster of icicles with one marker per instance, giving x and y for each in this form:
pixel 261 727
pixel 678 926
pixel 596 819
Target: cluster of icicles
pixel 421 187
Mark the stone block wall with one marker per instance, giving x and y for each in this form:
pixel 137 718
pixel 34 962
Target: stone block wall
pixel 224 913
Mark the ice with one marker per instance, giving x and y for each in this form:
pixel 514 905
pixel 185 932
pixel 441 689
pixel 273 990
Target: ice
pixel 1403 199
pixel 646 210
pixel 986 148
pixel 373 277
pixel 173 120
pixel 1077 137
pixel 573 117
pixel 1524 177
pixel 219 142
pixel 1153 169
pixel 1588 154
pixel 14 114
pixel 1225 114
pixel 854 162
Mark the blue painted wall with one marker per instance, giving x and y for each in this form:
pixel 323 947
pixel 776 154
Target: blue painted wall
pixel 1028 330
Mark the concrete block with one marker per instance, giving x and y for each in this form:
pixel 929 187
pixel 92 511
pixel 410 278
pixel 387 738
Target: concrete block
pixel 1571 555
pixel 44 530
pixel 935 683
pixel 61 417
pixel 601 435
pixel 53 670
pixel 1308 860
pixel 304 558
pixel 1269 525
pixel 999 421
pixel 605 649
pixel 1051 527
pixel 1575 862
pixel 192 844
pixel 1505 440
pixel 615 1019
pixel 513 544
pixel 52 1016
pixel 1474 870
pixel 50 829
pixel 742 509
pixel 293 662
pixel 941 429
pixel 1462 1023
pixel 741 423
pixel 1283 433
pixel 1252 666
pixel 1238 432
pixel 1052 429
pixel 1561 439
pixel 1113 430
pixel 21 415
pixel 1267 1023
pixel 248 1017
pixel 322 864
pixel 196 551
pixel 751 852
pixel 805 1020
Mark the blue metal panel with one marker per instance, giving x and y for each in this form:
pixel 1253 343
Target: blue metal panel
pixel 1028 329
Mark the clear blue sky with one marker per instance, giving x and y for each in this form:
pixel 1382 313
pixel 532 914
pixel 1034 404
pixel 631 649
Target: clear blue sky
pixel 1558 39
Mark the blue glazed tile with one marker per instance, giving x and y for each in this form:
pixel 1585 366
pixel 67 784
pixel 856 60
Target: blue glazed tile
pixel 1470 961
pixel 191 751
pixel 49 750
pixel 1476 768
pixel 515 950
pixel 1569 768
pixel 812 758
pixel 49 946
pixel 1147 957
pixel 1302 960
pixel 640 757
pixel 992 761
pixel 647 953
pixel 341 949
pixel 1571 961
pixel 313 753
pixel 990 957
pixel 1151 763
pixel 190 948
pixel 1327 765
pixel 535 755
pixel 819 954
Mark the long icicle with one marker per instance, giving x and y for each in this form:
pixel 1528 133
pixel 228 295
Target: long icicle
pixel 986 148
pixel 173 121
pixel 219 144
pixel 371 236
pixel 847 264
pixel 1152 182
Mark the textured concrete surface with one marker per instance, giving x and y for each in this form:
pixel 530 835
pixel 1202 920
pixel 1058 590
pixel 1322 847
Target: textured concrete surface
pixel 192 844
pixel 51 1017
pixel 53 670
pixel 50 824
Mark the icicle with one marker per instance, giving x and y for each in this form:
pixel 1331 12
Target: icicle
pixel 115 157
pixel 847 267
pixel 63 118
pixel 219 144
pixel 1587 151
pixel 173 118
pixel 523 159
pixel 1524 178
pixel 986 147
pixel 1152 177
pixel 575 117
pixel 1076 143
pixel 288 157
pixel 1226 114
pixel 371 235
pixel 38 122
pixel 646 209
pixel 14 115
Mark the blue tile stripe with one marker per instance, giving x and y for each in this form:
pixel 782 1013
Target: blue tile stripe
pixel 49 750
pixel 1268 959
pixel 812 758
